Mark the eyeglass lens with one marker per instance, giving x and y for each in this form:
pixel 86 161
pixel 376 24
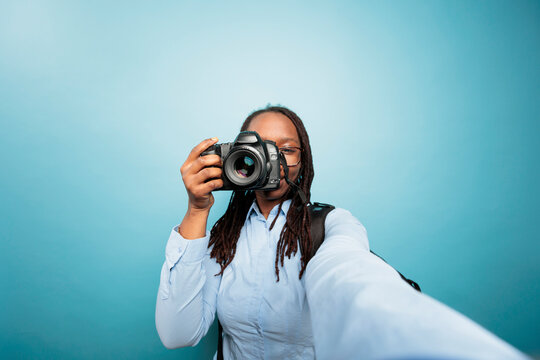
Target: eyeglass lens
pixel 292 155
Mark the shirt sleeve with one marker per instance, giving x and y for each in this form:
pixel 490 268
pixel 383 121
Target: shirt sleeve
pixel 361 308
pixel 186 301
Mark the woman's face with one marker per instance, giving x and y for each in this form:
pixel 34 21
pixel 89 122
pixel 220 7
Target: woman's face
pixel 280 129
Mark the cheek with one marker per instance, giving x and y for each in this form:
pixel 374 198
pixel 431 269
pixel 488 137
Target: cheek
pixel 295 173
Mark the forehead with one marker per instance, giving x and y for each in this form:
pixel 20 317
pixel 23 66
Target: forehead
pixel 274 126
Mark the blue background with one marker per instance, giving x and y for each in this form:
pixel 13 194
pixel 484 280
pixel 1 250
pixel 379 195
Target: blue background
pixel 423 116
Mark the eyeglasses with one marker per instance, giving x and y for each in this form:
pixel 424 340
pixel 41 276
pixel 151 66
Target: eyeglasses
pixel 292 155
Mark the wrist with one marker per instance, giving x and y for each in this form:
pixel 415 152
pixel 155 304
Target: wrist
pixel 196 211
pixel 193 225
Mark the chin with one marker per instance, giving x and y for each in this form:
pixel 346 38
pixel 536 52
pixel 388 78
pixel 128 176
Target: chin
pixel 275 194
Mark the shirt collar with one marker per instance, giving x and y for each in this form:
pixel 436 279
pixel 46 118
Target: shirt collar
pixel 255 209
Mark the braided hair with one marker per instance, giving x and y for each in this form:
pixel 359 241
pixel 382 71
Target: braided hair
pixel 295 235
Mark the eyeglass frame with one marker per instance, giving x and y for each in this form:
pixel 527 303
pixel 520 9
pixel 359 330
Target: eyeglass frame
pixel 292 147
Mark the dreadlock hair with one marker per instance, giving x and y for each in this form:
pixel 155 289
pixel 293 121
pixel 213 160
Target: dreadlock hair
pixel 297 229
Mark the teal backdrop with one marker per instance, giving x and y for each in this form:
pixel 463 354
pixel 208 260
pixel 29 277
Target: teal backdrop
pixel 424 122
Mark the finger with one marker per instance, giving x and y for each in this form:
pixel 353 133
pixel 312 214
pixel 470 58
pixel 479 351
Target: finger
pixel 204 161
pixel 206 188
pixel 197 150
pixel 207 173
pixel 210 186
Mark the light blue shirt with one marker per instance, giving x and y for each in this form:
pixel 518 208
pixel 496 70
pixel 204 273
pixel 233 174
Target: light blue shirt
pixel 349 305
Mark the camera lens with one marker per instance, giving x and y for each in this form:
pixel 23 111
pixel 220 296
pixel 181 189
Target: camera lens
pixel 244 166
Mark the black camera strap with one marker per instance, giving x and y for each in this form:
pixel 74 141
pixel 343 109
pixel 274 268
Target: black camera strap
pixel 300 192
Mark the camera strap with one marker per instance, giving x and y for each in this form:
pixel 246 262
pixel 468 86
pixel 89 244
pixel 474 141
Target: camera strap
pixel 291 184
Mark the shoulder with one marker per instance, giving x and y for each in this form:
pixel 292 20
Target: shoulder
pixel 345 241
pixel 341 226
pixel 342 216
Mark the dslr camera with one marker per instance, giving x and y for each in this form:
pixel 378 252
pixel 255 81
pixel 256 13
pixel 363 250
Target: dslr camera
pixel 248 163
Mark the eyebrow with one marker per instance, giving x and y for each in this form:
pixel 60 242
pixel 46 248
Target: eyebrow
pixel 288 139
pixel 285 139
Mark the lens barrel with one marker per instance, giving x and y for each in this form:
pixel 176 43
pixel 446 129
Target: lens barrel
pixel 244 167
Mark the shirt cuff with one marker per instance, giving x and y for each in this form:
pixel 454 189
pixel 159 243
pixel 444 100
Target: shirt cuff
pixel 189 251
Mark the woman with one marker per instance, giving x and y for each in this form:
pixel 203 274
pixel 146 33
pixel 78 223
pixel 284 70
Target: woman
pixel 258 248
pixel 252 269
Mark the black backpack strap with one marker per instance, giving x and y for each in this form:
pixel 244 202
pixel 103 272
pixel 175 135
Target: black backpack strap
pixel 409 281
pixel 318 212
pixel 220 342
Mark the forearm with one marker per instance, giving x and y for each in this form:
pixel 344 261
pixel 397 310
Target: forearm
pixel 180 314
pixel 193 225
pixel 185 305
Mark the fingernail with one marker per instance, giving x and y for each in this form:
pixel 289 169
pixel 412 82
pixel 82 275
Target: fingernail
pixel 214 139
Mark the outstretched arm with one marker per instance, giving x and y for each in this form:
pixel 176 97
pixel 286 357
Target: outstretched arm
pixel 362 309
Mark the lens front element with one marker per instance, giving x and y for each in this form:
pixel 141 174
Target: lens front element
pixel 244 166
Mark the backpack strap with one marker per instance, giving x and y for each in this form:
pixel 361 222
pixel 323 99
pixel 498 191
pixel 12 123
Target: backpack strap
pixel 220 341
pixel 318 212
pixel 409 281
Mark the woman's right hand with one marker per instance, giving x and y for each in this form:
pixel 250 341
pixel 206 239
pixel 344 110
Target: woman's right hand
pixel 196 175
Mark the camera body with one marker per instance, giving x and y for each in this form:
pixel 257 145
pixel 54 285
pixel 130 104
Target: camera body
pixel 248 163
